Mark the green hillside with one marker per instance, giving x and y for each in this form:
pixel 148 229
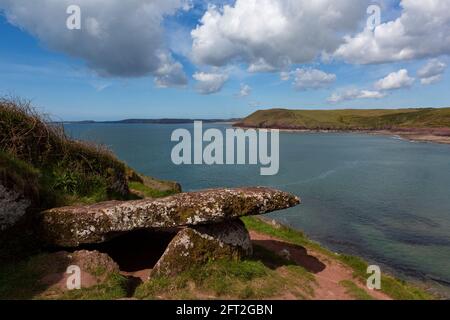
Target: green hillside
pixel 376 119
pixel 41 164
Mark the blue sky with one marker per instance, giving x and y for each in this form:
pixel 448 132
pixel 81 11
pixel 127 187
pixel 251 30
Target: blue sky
pixel 70 81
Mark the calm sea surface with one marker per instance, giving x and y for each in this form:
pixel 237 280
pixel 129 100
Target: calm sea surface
pixel 381 198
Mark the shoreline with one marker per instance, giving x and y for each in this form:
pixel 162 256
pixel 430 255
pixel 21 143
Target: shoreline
pixel 424 136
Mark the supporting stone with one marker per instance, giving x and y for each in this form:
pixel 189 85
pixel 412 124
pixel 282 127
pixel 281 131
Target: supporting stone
pixel 198 245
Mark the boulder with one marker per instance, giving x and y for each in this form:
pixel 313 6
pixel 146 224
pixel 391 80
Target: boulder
pixel 72 226
pixel 95 268
pixel 199 244
pixel 13 206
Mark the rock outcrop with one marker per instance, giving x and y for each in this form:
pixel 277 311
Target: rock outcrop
pixel 72 226
pixel 13 206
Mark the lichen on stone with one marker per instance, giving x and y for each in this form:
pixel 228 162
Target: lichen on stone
pixel 13 206
pixel 72 226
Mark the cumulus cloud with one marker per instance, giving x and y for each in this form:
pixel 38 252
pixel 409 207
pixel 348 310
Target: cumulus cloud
pixel 421 31
pixel 312 79
pixel 117 38
pixel 354 94
pixel 395 80
pixel 209 83
pixel 270 35
pixel 245 90
pixel 285 76
pixel 431 72
pixel 170 74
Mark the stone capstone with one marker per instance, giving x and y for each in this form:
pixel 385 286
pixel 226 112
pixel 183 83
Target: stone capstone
pixel 75 225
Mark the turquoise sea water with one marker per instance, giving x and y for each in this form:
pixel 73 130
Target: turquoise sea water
pixel 385 199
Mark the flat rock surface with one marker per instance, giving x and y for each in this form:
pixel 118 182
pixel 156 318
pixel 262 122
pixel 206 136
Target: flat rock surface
pixel 72 226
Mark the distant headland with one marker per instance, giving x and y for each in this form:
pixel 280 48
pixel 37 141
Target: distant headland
pixel 156 121
pixel 421 124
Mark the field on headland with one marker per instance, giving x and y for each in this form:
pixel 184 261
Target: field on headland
pixel 432 125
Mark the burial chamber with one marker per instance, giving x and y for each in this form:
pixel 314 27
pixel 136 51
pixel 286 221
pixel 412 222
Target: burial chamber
pixel 163 236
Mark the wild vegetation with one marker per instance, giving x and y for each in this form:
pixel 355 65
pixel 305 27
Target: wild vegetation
pixel 36 155
pixel 382 119
pixel 39 161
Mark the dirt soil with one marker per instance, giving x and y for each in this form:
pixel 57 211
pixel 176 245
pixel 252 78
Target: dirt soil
pixel 327 272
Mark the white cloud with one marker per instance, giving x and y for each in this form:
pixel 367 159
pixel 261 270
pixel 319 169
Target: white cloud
pixel 245 90
pixel 395 80
pixel 354 94
pixel 422 30
pixel 209 83
pixel 99 86
pixel 431 72
pixel 170 74
pixel 285 76
pixel 117 38
pixel 312 79
pixel 270 35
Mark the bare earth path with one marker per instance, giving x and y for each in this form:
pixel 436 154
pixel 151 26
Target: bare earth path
pixel 327 272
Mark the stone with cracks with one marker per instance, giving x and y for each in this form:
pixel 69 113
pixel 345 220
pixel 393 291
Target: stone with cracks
pixel 72 226
pixel 199 244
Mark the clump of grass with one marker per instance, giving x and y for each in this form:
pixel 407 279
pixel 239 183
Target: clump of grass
pixel 354 291
pixel 64 166
pixel 147 192
pixel 254 278
pixel 21 280
pixel 219 278
pixel 114 287
pixel 282 232
pixel 395 288
pixel 19 176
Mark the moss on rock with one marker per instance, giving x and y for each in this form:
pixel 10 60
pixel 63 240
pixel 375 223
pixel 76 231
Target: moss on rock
pixel 198 245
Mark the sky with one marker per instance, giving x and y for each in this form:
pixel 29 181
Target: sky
pixel 115 59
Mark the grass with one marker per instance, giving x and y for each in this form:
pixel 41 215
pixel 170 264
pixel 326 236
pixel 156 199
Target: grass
pixel 67 171
pixel 247 279
pixel 395 288
pixel 148 192
pixel 354 291
pixel 114 287
pixel 38 161
pixel 38 157
pixel 282 232
pixel 22 281
pixel 349 119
